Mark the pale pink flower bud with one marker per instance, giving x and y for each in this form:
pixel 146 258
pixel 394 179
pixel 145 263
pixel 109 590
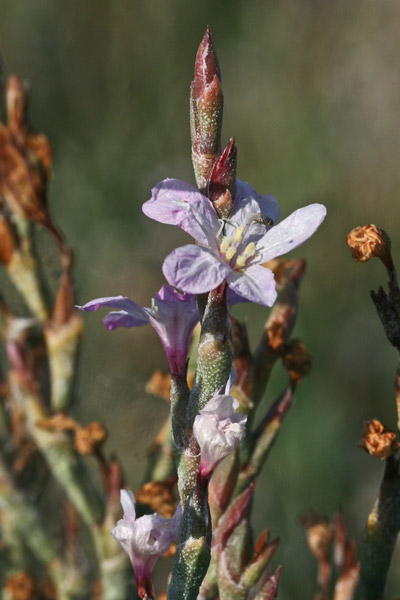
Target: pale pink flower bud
pixel 218 429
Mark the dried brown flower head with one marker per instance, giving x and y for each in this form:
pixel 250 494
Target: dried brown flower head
pixel 87 439
pixel 158 495
pixel 368 241
pixel 90 437
pixel 378 440
pixel 296 361
pixel 285 270
pixel 159 384
pixel 319 532
pixel 20 587
pixel 58 422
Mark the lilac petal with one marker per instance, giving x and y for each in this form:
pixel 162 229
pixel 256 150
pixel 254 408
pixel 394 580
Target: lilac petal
pixel 121 318
pixel 233 298
pixel 128 503
pixel 194 269
pixel 175 202
pixel 291 232
pixel 267 204
pixel 138 315
pixel 172 295
pixel 256 283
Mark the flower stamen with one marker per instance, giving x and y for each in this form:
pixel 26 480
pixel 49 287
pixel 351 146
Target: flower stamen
pixel 238 234
pixel 225 244
pixel 230 253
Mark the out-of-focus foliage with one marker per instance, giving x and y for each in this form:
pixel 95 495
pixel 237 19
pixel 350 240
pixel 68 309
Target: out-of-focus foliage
pixel 311 96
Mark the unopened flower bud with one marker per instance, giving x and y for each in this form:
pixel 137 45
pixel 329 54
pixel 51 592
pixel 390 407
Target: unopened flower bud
pixel 206 107
pixel 368 241
pixel 378 440
pixel 222 186
pixel 206 66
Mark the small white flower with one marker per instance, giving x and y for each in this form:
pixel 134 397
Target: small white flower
pixel 218 429
pixel 146 538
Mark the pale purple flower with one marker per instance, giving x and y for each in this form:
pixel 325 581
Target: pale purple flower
pixel 228 250
pixel 173 315
pixel 218 429
pixel 144 539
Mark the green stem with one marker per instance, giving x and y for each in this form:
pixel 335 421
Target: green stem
pixel 380 534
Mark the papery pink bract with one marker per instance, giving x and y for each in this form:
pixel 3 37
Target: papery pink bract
pixel 229 250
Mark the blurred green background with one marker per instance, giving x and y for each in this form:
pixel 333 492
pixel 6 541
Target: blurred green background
pixel 312 94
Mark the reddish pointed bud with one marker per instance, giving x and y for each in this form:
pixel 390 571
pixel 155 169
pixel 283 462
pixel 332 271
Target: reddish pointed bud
pixel 256 568
pixel 222 186
pixel 17 103
pixel 206 107
pixel 221 486
pixel 236 512
pixel 262 542
pixel 8 242
pixel 237 552
pixel 269 588
pixel 206 66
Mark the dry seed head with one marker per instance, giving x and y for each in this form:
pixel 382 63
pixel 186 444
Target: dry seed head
pixel 158 495
pixel 368 241
pixel 90 437
pixel 159 384
pixel 378 440
pixel 319 532
pixel 20 587
pixel 296 361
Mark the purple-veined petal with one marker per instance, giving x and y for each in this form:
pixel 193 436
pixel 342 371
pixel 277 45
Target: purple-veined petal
pixel 267 204
pixel 256 283
pixel 120 318
pixel 291 232
pixel 194 269
pixel 138 315
pixel 175 202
